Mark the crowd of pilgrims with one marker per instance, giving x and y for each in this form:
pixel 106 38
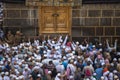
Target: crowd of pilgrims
pixel 57 58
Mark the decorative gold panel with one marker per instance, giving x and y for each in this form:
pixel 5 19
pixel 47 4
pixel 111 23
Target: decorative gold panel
pixel 55 20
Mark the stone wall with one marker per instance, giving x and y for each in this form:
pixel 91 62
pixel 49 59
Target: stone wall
pixel 20 17
pixel 96 21
pixel 91 21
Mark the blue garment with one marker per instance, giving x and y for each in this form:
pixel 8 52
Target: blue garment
pixel 8 67
pixel 99 73
pixel 84 64
pixel 65 63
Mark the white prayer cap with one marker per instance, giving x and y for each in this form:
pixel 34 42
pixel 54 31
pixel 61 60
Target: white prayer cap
pixel 29 59
pixel 103 64
pixel 25 55
pixel 48 51
pixel 26 68
pixel 73 57
pixel 114 59
pixel 58 47
pixel 100 44
pixel 115 76
pixel 32 57
pixel 33 61
pixel 87 79
pixel 77 42
pixel 49 72
pixel 75 62
pixel 61 40
pixel 21 77
pixel 26 65
pixel 112 64
pixel 88 59
pixel 106 73
pixel 71 61
pixel 94 74
pixel 2 73
pixel 22 60
pixel 93 46
pixel 30 76
pixel 6 73
pixel 73 52
pixel 69 58
pixel 44 52
pixel 118 53
pixel 1 62
pixel 64 57
pixel 17 78
pixel 8 49
pixel 100 49
pixel 58 74
pixel 38 75
pixel 40 64
pixel 30 53
pixel 78 57
pixel 19 63
pixel 71 77
pixel 53 42
pixel 102 77
pixel 115 71
pixel 36 67
pixel 9 59
pixel 64 47
pixel 45 55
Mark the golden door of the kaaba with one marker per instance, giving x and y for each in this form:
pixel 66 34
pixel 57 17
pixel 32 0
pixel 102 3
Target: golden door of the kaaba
pixel 55 20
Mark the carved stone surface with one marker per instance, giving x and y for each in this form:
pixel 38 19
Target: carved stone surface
pixel 107 13
pixel 75 13
pixel 75 22
pixel 88 31
pixel 118 31
pixel 13 13
pixel 117 13
pixel 116 21
pixel 24 14
pixel 110 31
pixel 83 13
pixel 105 22
pixel 94 13
pixel 92 21
pixel 99 31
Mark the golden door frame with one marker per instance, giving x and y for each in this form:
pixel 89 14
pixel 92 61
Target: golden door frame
pixel 67 16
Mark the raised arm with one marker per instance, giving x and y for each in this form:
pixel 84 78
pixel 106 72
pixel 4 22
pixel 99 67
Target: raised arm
pixel 59 40
pixel 107 44
pixel 49 41
pixel 65 40
pixel 115 44
pixel 73 46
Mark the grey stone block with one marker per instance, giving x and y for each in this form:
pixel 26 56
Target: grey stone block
pixel 105 22
pixel 88 31
pixel 118 31
pixel 116 21
pixel 110 31
pixel 92 21
pixel 99 31
pixel 107 13
pixel 94 13
pixel 117 13
pixel 75 13
pixel 13 13
pixel 75 22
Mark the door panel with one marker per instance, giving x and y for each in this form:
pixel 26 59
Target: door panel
pixel 55 20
